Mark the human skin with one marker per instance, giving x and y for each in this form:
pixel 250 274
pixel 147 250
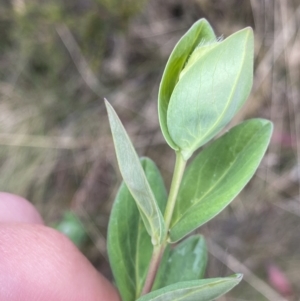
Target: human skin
pixel 38 263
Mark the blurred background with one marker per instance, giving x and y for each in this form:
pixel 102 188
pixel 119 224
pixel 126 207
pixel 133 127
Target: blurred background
pixel 59 59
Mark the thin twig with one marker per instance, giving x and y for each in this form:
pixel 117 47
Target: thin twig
pixel 278 46
pixel 79 60
pixel 159 249
pixel 236 266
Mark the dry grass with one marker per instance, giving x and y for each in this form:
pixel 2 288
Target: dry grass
pixel 55 145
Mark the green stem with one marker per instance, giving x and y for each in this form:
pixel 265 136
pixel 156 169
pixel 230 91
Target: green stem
pixel 159 249
pixel 153 268
pixel 176 181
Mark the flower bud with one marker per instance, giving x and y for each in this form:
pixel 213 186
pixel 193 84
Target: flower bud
pixel 204 84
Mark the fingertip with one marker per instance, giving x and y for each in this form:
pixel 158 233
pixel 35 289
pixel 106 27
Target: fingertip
pixel 16 209
pixel 39 263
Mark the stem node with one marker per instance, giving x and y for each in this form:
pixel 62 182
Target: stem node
pixel 159 249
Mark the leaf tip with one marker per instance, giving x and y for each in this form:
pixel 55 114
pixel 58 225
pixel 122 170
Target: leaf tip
pixel 244 36
pixel 238 277
pixel 267 124
pixel 107 104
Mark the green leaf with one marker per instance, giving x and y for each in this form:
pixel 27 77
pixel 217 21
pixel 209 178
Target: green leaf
pixel 187 261
pixel 201 31
pixel 72 227
pixel 210 92
pixel 204 290
pixel 135 179
pixel 218 174
pixel 129 244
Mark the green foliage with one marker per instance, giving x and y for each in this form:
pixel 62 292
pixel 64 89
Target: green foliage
pixel 71 226
pixel 218 174
pixel 199 32
pixel 135 178
pixel 204 290
pixel 204 84
pixel 129 245
pixel 187 261
pixel 210 92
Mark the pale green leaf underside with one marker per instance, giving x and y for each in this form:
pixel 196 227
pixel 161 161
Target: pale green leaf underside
pixel 197 290
pixel 135 179
pixel 129 244
pixel 185 262
pixel 212 90
pixel 200 31
pixel 218 174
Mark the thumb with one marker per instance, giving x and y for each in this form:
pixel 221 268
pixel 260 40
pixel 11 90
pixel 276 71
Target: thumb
pixel 38 263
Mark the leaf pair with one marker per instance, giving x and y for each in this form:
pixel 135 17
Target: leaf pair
pixel 204 83
pixel 130 248
pixel 210 183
